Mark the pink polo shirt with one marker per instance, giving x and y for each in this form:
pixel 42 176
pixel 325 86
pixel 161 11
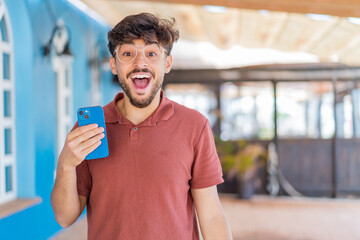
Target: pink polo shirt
pixel 142 189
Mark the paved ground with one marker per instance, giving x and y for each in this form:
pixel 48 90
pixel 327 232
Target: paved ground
pixel 293 219
pixel 282 218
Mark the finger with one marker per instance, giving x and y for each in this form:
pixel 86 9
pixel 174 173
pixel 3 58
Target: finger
pixel 87 135
pixel 90 141
pixel 81 130
pixel 91 148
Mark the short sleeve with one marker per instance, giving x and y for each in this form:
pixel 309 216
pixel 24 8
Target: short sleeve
pixel 206 169
pixel 83 179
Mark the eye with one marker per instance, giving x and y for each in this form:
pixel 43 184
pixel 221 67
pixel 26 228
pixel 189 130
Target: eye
pixel 152 54
pixel 127 54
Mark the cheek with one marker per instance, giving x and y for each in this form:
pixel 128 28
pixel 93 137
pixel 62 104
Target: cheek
pixel 160 72
pixel 122 71
pixel 162 68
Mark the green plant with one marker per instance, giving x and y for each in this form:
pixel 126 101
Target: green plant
pixel 240 159
pixel 226 151
pixel 247 160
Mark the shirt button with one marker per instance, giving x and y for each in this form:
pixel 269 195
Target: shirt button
pixel 135 128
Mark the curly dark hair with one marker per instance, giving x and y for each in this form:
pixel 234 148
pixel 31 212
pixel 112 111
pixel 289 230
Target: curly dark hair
pixel 145 26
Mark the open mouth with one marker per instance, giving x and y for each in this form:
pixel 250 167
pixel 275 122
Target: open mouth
pixel 141 80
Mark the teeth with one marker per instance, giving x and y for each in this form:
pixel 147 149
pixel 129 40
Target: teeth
pixel 140 76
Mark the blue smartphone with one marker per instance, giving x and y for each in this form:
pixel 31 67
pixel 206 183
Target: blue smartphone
pixel 90 115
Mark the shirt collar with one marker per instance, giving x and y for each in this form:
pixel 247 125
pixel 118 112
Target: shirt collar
pixel 164 111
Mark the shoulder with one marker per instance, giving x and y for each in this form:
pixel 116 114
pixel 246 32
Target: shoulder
pixel 111 112
pixel 108 107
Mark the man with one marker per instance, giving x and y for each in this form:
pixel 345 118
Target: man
pixel 162 160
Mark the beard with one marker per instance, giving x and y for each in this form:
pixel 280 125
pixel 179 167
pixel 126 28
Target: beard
pixel 143 103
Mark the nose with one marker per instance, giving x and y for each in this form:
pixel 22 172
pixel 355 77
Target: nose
pixel 140 60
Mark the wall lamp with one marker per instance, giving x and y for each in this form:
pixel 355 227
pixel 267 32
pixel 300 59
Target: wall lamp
pixel 60 39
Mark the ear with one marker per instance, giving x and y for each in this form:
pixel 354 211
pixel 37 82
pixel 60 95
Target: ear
pixel 113 65
pixel 168 63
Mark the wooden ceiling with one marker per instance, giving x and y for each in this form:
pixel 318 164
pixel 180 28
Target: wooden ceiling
pixel 342 8
pixel 286 26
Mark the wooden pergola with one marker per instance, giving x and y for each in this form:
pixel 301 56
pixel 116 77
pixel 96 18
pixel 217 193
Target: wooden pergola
pixel 342 8
pixel 283 25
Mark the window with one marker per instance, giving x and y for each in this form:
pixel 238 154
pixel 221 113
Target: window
pixel 305 110
pixel 347 109
pixel 8 189
pixel 247 111
pixel 195 96
pixel 63 72
pixel 96 88
pixel 356 110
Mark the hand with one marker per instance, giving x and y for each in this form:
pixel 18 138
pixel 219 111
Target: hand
pixel 79 143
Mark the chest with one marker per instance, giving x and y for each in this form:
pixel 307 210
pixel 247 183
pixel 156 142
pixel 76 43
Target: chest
pixel 158 158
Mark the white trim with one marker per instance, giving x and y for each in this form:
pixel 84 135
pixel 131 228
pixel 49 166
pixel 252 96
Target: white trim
pixel 7 84
pixel 7 122
pixel 3 10
pixel 62 65
pixel 96 88
pixel 6 47
pixel 88 11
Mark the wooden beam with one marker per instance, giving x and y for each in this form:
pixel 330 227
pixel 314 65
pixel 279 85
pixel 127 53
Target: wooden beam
pixel 343 8
pixel 279 73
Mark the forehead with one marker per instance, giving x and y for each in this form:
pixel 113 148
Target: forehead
pixel 140 42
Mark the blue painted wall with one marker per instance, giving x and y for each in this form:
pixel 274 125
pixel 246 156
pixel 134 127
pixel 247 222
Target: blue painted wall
pixel 35 92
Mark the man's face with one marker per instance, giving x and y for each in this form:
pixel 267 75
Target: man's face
pixel 142 78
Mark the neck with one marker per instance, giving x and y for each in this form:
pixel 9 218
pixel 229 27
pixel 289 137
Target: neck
pixel 134 114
